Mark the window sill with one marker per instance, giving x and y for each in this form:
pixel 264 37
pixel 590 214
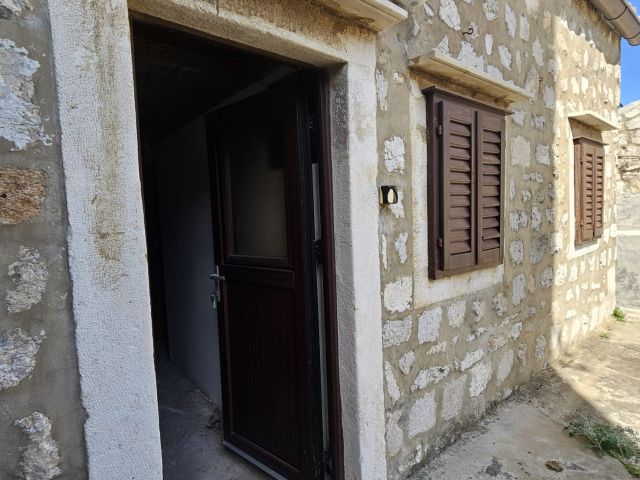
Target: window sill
pixel 374 14
pixel 436 274
pixel 439 65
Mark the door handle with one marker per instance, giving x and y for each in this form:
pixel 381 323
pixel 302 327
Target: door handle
pixel 215 276
pixel 215 296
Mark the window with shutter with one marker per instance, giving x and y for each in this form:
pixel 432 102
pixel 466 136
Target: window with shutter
pixel 589 189
pixel 465 184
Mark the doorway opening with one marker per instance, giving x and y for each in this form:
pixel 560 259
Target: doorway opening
pixel 231 166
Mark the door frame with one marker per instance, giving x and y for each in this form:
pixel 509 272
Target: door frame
pixel 334 463
pixel 107 247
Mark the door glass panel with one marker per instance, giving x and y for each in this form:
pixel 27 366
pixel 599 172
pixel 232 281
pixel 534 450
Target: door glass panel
pixel 256 177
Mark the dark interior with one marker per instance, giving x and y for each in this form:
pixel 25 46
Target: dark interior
pixel 180 78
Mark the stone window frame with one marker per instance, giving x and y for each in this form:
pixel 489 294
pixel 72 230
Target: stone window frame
pixel 575 128
pixel 582 145
pixel 481 118
pixel 427 291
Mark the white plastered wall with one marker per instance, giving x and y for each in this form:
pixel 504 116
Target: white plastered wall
pixel 107 251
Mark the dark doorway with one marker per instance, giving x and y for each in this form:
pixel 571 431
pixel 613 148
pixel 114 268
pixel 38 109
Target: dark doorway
pixel 230 155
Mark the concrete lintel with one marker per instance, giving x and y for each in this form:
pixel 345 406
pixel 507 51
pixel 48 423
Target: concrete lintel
pixel 440 65
pixel 593 120
pixel 374 14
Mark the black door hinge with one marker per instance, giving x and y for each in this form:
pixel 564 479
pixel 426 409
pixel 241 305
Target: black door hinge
pixel 313 122
pixel 440 243
pixel 317 249
pixel 328 464
pixel 440 129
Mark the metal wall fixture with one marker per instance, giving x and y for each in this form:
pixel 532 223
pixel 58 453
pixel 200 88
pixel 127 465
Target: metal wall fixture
pixel 388 195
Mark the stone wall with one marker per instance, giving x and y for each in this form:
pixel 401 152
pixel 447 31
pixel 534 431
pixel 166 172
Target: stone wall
pixel 628 206
pixel 42 418
pixel 453 347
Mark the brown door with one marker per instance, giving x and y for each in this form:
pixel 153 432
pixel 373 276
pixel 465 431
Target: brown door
pixel 271 409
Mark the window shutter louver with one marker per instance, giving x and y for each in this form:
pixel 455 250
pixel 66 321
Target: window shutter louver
pixel 598 195
pixel 490 153
pixel 586 202
pixel 458 186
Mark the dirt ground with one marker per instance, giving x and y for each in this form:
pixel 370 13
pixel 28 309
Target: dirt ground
pixel 598 380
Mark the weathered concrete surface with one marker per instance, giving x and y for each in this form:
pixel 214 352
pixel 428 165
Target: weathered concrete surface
pixel 515 443
pixel 599 380
pixel 628 186
pixel 602 377
pixel 191 432
pixel 41 427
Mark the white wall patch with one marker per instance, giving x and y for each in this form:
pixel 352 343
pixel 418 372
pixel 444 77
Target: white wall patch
pixel 41 458
pixel 29 277
pixel 20 121
pixel 18 352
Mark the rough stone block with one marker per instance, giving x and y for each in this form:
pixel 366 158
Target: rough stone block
pixel 18 353
pixel 22 194
pixel 429 325
pixel 41 458
pixel 396 332
pixel 453 398
pixel 428 376
pixel 456 313
pixel 471 358
pixel 480 376
pixel 504 366
pixel 397 295
pixel 422 415
pixel 29 276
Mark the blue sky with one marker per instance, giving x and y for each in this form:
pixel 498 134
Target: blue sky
pixel 630 68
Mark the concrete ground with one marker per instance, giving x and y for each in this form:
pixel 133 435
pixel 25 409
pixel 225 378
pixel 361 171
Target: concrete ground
pixel 600 380
pixel 191 432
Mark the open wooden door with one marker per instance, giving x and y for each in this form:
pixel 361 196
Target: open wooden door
pixel 267 304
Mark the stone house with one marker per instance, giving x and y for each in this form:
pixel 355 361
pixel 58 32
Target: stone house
pixel 419 214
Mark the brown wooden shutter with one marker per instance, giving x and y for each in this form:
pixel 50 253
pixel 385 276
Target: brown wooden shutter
pixel 577 189
pixel 490 129
pixel 584 214
pixel 598 190
pixel 458 243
